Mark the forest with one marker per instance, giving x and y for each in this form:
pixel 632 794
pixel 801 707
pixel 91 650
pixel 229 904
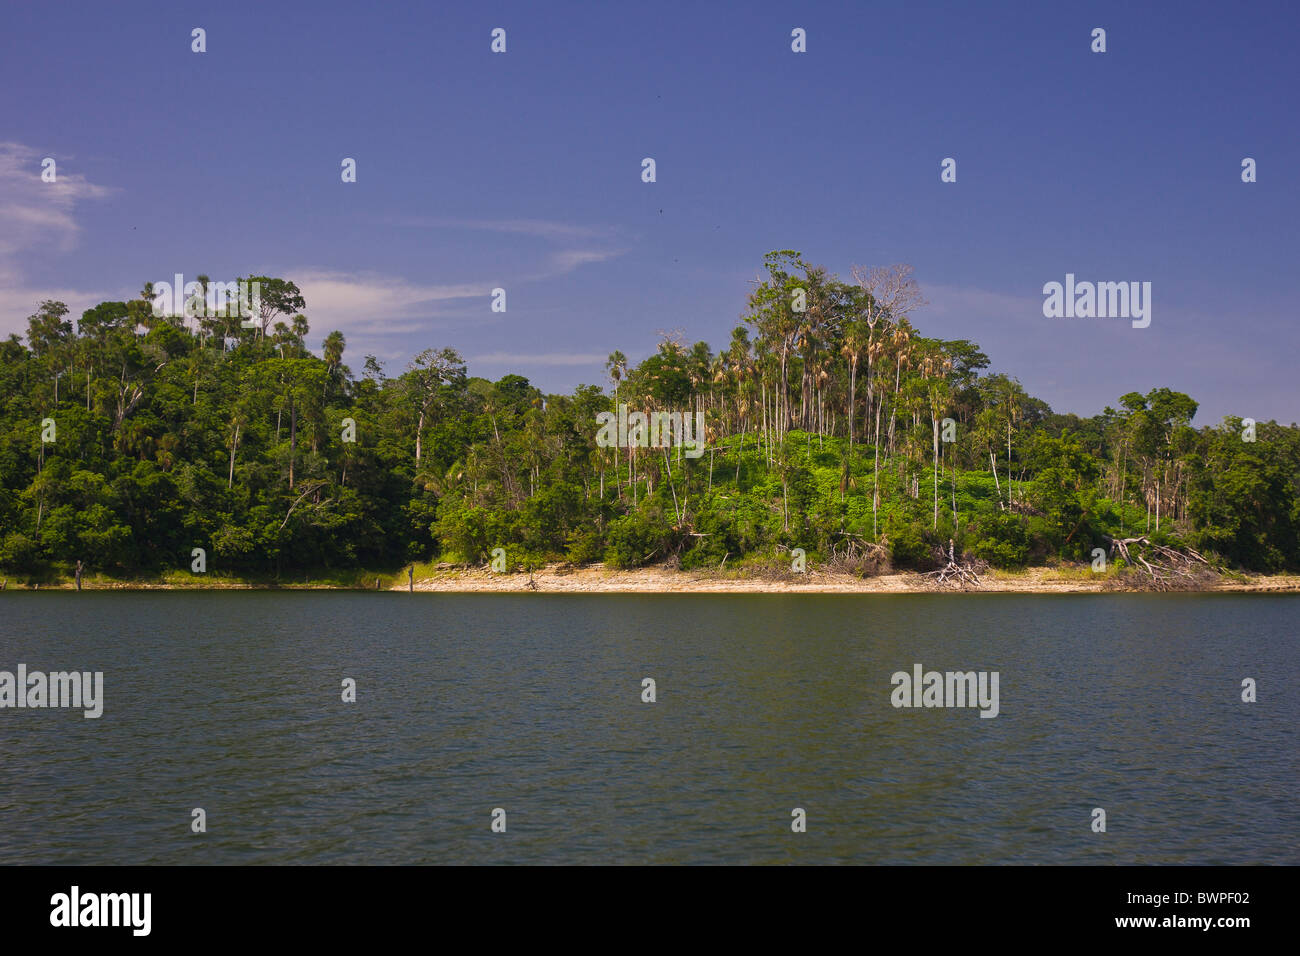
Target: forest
pixel 831 424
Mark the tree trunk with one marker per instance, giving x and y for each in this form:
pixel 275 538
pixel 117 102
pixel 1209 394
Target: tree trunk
pixel 935 423
pixel 853 385
pixel 875 479
pixel 233 448
pixel 1008 462
pixel 419 431
pixel 293 437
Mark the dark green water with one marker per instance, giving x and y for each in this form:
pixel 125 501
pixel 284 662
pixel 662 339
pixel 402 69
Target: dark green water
pixel 230 701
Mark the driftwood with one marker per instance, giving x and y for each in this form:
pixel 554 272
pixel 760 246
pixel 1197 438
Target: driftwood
pixel 856 555
pixel 964 574
pixel 1163 568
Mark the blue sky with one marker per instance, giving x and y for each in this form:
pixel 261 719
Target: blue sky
pixel 522 170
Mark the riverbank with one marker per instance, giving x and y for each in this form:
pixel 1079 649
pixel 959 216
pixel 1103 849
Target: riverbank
pixel 661 580
pixel 561 578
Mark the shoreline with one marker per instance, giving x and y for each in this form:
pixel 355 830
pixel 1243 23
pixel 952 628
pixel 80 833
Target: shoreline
pixel 597 579
pixel 664 581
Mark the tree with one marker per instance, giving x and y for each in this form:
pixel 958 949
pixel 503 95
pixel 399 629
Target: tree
pixel 157 415
pixel 427 377
pixel 276 297
pixel 48 330
pixel 332 349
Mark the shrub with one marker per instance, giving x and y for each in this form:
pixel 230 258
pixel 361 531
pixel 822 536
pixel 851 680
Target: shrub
pixel 585 546
pixel 909 547
pixel 1001 539
pixel 631 541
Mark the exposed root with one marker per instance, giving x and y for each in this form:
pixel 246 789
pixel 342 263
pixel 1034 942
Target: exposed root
pixel 963 575
pixel 857 556
pixel 1162 568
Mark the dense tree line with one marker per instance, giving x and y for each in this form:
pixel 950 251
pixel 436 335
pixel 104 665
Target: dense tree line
pixel 131 439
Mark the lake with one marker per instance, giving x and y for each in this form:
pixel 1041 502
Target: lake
pixel 231 701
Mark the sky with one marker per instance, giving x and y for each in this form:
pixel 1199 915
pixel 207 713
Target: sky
pixel 523 170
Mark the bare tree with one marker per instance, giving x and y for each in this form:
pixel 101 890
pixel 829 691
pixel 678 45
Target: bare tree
pixel 429 372
pixel 892 293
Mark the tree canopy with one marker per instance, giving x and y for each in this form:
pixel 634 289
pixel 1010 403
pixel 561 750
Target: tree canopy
pixel 131 439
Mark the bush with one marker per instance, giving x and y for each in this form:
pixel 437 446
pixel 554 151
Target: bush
pixel 19 552
pixel 910 548
pixel 1001 539
pixel 472 532
pixel 863 561
pixel 631 541
pixel 585 546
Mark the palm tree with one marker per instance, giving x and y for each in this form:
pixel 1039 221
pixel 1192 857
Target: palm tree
pixel 899 340
pixel 143 308
pixel 934 369
pixel 332 348
pixel 617 368
pixel 616 365
pixel 300 329
pixel 855 339
pixel 197 305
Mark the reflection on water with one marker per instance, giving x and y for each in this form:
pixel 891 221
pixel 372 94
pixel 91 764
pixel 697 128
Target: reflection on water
pixel 231 701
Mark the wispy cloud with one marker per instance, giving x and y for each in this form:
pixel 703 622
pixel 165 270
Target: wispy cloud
pixel 19 301
pixel 570 259
pixel 390 294
pixel 375 304
pixel 544 358
pixel 41 217
pixel 540 228
pixel 594 243
pixel 34 213
pixel 38 217
pixel 372 303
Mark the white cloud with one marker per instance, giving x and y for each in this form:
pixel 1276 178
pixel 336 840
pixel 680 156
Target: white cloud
pixel 544 358
pixel 37 216
pixel 541 228
pixel 18 302
pixel 34 213
pixel 559 262
pixel 369 302
pixel 374 304
pixel 570 259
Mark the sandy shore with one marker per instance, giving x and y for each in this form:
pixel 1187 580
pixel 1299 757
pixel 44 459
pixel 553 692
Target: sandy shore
pixel 597 579
pixel 659 580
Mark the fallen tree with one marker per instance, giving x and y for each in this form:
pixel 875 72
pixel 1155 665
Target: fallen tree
pixel 857 556
pixel 1160 567
pixel 963 574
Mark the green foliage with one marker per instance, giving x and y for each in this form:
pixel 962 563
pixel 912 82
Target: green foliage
pixel 632 541
pixel 820 423
pixel 586 546
pixel 472 532
pixel 1000 538
pixel 910 547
